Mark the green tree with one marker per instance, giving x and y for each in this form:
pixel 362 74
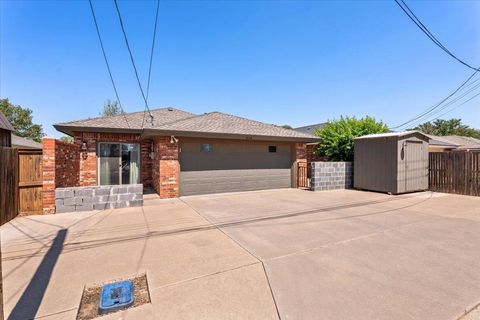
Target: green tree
pixel 111 108
pixel 21 120
pixel 337 136
pixel 441 127
pixel 286 126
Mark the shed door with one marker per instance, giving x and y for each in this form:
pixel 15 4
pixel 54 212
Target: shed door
pixel 416 166
pixel 215 167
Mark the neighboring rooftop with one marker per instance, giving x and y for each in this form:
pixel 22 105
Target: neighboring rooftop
pixel 24 143
pixel 458 142
pixel 178 122
pixel 4 123
pixel 311 129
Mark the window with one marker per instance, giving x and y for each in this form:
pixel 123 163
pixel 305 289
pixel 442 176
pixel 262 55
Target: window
pixel 272 148
pixel 206 147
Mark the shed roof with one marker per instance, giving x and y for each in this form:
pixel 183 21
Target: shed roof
pixel 392 134
pixel 4 123
pixel 178 122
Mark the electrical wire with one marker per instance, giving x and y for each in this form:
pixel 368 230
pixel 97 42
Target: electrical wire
pixel 132 60
pixel 151 55
pixel 425 119
pixel 106 62
pixel 456 107
pixel 434 107
pixel 153 47
pixel 427 32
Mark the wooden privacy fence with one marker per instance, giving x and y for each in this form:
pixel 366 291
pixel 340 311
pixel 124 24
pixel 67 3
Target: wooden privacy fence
pixel 9 200
pixel 455 172
pixel 30 181
pixel 20 183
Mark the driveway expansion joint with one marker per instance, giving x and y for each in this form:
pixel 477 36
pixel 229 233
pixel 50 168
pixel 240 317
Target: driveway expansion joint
pixel 246 250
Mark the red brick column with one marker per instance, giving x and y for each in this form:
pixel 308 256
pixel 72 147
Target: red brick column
pixel 166 168
pixel 300 152
pixel 88 157
pixel 60 168
pixel 48 175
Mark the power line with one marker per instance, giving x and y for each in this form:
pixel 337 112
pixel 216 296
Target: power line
pixel 432 108
pixel 132 60
pixel 153 47
pixel 456 107
pixel 151 55
pixel 427 32
pixel 448 104
pixel 106 62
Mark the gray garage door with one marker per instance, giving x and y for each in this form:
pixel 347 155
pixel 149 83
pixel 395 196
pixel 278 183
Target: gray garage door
pixel 237 166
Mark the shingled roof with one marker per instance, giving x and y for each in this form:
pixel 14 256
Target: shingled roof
pixel 173 121
pixel 128 121
pixel 4 123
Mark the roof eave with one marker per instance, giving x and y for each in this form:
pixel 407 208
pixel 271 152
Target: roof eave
pixel 69 130
pixel 199 134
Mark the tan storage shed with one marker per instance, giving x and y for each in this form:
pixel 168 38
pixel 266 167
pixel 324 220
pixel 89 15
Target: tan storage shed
pixel 394 162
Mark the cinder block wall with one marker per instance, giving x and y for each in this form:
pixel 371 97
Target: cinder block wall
pixel 331 175
pixel 98 197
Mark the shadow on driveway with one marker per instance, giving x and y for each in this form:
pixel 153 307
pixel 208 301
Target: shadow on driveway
pixel 28 304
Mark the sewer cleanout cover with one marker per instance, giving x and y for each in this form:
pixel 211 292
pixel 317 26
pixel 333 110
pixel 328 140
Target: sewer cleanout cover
pixel 116 296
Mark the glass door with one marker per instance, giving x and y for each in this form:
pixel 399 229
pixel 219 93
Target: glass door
pixel 130 163
pixel 118 163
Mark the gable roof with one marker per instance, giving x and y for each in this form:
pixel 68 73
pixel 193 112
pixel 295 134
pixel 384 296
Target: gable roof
pixel 168 121
pixel 4 123
pixel 310 129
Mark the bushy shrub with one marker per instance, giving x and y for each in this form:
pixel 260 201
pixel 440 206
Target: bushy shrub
pixel 337 136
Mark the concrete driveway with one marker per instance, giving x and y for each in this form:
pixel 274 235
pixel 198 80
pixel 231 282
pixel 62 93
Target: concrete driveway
pixel 256 255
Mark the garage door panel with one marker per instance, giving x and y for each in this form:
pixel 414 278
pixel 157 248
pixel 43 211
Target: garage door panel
pixel 234 157
pixel 216 181
pixel 230 166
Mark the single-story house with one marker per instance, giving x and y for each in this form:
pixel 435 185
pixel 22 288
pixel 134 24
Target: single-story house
pixel 24 143
pixel 453 143
pixel 180 153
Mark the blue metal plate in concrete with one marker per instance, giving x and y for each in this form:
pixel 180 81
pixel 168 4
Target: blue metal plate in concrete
pixel 116 296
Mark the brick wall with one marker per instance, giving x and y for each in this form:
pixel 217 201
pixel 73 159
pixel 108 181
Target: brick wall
pixel 60 168
pixel 88 158
pixel 166 168
pixel 300 152
pixel 312 156
pixel 331 175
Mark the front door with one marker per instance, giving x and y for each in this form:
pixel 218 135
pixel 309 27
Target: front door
pixel 118 163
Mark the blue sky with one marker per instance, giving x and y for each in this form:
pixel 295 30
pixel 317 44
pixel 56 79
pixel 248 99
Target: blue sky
pixel 282 62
